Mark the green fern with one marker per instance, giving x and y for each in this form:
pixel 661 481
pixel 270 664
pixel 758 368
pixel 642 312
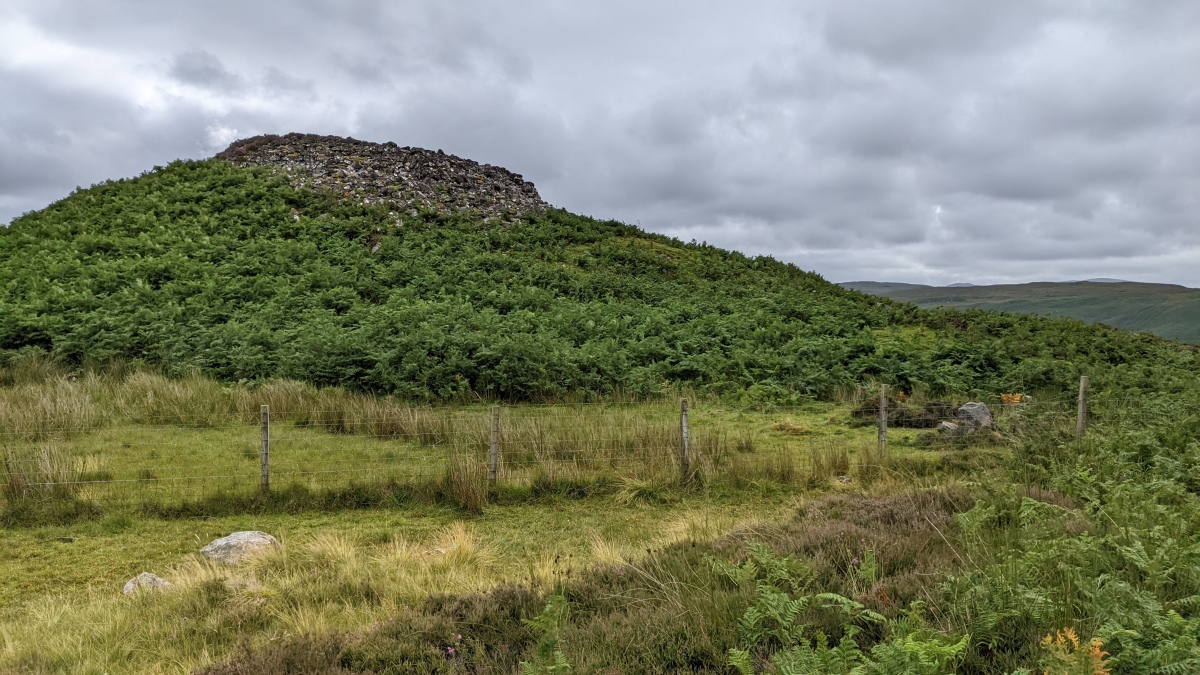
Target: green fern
pixel 775 622
pixel 550 659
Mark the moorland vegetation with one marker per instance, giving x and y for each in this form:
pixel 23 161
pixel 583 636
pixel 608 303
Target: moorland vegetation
pixel 229 271
pixel 176 302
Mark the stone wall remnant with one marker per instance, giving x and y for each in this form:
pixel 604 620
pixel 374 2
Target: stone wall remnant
pixel 385 172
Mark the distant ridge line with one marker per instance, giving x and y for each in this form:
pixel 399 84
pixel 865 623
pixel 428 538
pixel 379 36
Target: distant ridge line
pixel 1167 310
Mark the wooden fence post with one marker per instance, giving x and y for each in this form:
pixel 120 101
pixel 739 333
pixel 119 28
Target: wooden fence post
pixel 684 469
pixel 494 447
pixel 882 420
pixel 1081 417
pixel 265 424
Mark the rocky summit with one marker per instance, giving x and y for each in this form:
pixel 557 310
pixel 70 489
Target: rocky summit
pixel 385 172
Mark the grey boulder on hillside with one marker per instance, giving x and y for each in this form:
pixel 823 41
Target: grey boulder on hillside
pixel 239 546
pixel 145 582
pixel 974 417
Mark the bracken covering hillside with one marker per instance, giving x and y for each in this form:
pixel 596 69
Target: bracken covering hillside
pixel 237 272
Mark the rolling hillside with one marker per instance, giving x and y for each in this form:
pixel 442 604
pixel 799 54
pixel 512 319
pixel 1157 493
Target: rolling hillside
pixel 1166 310
pixel 409 272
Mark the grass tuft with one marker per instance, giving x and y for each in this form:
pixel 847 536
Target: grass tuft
pixel 828 458
pixel 631 491
pixel 465 483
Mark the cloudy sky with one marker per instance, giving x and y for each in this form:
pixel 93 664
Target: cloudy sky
pixel 931 141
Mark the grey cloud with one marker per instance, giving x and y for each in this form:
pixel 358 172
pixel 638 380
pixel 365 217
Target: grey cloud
pixel 930 141
pixel 276 81
pixel 201 69
pixel 915 32
pixel 364 69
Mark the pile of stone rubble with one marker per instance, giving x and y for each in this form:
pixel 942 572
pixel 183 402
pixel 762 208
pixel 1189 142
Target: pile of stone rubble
pixel 385 172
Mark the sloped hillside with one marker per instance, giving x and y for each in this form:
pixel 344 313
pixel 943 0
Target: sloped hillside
pixel 1165 310
pixel 247 272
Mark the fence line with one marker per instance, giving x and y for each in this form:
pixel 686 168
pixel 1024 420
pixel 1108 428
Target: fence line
pixel 496 445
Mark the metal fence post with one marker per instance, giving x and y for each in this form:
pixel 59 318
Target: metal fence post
pixel 883 420
pixel 265 424
pixel 494 447
pixel 684 468
pixel 1081 417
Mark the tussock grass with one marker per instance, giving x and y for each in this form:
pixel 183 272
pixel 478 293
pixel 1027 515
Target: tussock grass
pixel 335 580
pixel 631 491
pixel 827 458
pixel 466 482
pixel 39 412
pixel 41 471
pixel 329 582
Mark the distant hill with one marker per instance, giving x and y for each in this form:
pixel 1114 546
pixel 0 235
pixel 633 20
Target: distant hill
pixel 1165 310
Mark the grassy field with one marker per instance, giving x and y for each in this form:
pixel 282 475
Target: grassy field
pixel 150 442
pixel 580 486
pixel 63 607
pixel 797 548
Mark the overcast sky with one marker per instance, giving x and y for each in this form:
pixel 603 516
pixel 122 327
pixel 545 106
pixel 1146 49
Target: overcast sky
pixel 930 141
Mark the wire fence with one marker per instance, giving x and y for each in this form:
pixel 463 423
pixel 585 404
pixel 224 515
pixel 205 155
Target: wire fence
pixel 185 457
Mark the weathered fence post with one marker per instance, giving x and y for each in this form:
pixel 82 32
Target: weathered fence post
pixel 265 424
pixel 684 469
pixel 1081 418
pixel 882 420
pixel 494 447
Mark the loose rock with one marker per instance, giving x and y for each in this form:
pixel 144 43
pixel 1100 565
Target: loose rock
pixel 147 582
pixel 238 546
pixel 947 428
pixel 384 172
pixel 973 417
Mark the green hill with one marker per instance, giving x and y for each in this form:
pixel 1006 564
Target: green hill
pixel 247 273
pixel 1166 310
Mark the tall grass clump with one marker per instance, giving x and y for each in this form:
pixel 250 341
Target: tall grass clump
pixel 466 481
pixel 39 472
pixel 30 366
pixel 337 411
pixel 191 401
pixel 58 408
pixel 870 464
pixel 41 486
pixel 569 444
pixel 569 441
pixel 827 458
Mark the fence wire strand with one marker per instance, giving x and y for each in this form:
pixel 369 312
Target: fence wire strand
pixel 117 459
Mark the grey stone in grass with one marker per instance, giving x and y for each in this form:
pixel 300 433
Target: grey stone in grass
pixel 238 546
pixel 145 582
pixel 974 417
pixel 947 428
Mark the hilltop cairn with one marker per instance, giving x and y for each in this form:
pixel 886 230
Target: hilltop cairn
pixel 385 172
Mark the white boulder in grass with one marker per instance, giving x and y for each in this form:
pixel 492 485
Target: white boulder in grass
pixel 239 546
pixel 145 582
